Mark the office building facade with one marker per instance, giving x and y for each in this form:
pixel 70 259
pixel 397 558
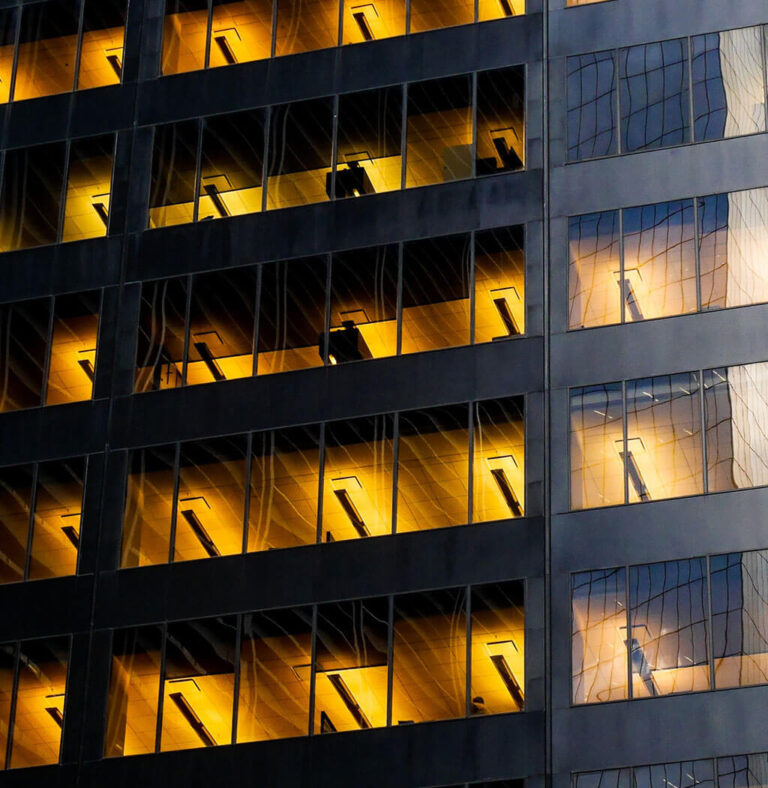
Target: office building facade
pixel 384 399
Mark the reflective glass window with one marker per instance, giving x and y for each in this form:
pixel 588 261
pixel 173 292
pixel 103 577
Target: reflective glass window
pixel 599 636
pixel 668 613
pixel 597 477
pixel 101 51
pixel 739 583
pixel 275 659
pixel 174 166
pixel 655 108
pixel 284 486
pixel 432 14
pixel 8 20
pixel 499 284
pixel 499 460
pixel 500 121
pixel 369 156
pixel 134 688
pixel 436 290
pixel 358 470
pixel 363 319
pixel 231 165
pixel 432 482
pixel 498 648
pixel 184 35
pixel 368 21
pixel 498 9
pixel 439 133
pixel 430 657
pixel 16 484
pixel 198 685
pixel 292 315
pixel 7 671
pixel 302 26
pixel 728 84
pixel 591 105
pixel 351 666
pixel 241 30
pixel 743 771
pixel 607 778
pixel 685 774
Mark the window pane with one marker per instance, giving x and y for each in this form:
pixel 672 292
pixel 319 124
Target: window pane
pixel 7 37
pixel 591 106
pixel 221 326
pixel 735 402
pixel 654 95
pixel 743 771
pixel 739 630
pixel 275 656
pixel 31 196
pixel 687 774
pixel 172 193
pixel 366 21
pixel 659 260
pixel 595 270
pixel 292 315
pixel 733 234
pixel 184 35
pixel 351 666
pixel 728 88
pixel 357 495
pixel 498 648
pixel 40 696
pixel 211 499
pixel 7 669
pixel 149 500
pixel 160 355
pixel 664 451
pixel 15 504
pixel 305 25
pixel 23 343
pixel 597 434
pixel 439 134
pixel 58 518
pixel 430 657
pixel 598 640
pixel 432 484
pixel 301 153
pixel 499 463
pixel 133 691
pixel 499 284
pixel 47 49
pixel 363 304
pixel 284 488
pixel 101 53
pixel 199 683
pixel 241 31
pixel 608 778
pixel 436 280
pixel 500 121
pixel 232 164
pixel 86 213
pixel 431 14
pixel 72 364
pixel 497 9
pixel 369 157
pixel 668 610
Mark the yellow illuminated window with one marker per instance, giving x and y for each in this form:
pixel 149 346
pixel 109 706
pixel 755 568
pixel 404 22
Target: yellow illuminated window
pixel 368 21
pixel 101 51
pixel 8 19
pixel 303 25
pixel 241 30
pixel 184 35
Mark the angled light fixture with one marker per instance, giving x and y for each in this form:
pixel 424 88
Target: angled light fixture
pixel 207 357
pixel 70 531
pixel 506 153
pixel 191 717
pixel 359 14
pixel 220 37
pixel 634 447
pixel 496 651
pixel 114 58
pixel 640 664
pixel 499 467
pixel 341 487
pixel 506 8
pixel 99 203
pixel 197 527
pixel 338 683
pixel 628 286
pixel 56 714
pixel 86 364
pixel 326 726
pixel 503 298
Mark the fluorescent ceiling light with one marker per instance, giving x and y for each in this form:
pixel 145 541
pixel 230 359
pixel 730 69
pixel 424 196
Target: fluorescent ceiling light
pixel 634 446
pixel 503 298
pixel 499 467
pixel 348 698
pixel 194 721
pixel 70 531
pixel 341 491
pixel 359 15
pixel 222 41
pixel 114 58
pixel 209 360
pixel 198 528
pixel 499 659
pixel 632 279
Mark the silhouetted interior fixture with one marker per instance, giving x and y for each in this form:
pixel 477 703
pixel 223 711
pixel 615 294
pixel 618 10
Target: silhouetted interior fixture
pixel 209 360
pixel 345 344
pixel 198 528
pixel 350 182
pixel 194 721
pixel 346 695
pixel 340 490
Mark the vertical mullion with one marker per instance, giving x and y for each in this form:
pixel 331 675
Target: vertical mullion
pixel 31 521
pixel 48 349
pixel 16 45
pixel 390 655
pixel 209 25
pixel 399 299
pixel 625 442
pixel 256 317
pixel 12 710
pixel 622 271
pixel 176 474
pixel 327 321
pixel 236 690
pixel 477 11
pixel 473 100
pixel 265 159
pixel 471 413
pixel 247 489
pixel 630 692
pixel 187 317
pixel 689 62
pixel 161 688
pixel 764 53
pixel 273 45
pixel 334 145
pixel 63 192
pixel 198 170
pixel 472 256
pixel 395 468
pixel 320 481
pixel 704 457
pixel 710 629
pixel 407 16
pixel 341 23
pixel 468 654
pixel 404 133
pixel 617 103
pixel 697 251
pixel 79 45
pixel 312 672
